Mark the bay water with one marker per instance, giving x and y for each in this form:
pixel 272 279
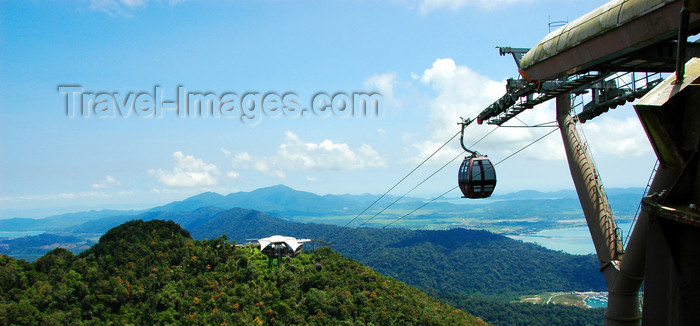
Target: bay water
pixel 574 240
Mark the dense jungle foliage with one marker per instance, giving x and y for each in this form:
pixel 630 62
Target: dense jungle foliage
pixel 458 260
pixel 149 273
pixel 500 313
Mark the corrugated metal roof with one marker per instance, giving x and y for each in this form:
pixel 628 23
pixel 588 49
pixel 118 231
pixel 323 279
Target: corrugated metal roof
pixel 606 18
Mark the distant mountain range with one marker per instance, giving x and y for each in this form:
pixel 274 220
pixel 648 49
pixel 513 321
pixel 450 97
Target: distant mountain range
pixel 298 205
pixel 533 194
pixel 274 200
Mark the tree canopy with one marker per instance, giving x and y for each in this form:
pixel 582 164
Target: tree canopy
pixel 150 273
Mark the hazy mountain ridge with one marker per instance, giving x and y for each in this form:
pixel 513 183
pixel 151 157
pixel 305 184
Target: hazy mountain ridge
pixel 299 205
pixel 32 247
pixel 59 221
pixel 274 199
pixel 518 215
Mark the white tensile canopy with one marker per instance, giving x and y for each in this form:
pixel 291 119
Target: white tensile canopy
pixel 291 242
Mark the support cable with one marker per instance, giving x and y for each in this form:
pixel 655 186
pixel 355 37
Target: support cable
pixel 426 179
pixel 636 214
pixel 421 206
pixel 526 146
pixel 394 186
pixel 551 124
pixel 414 188
pixel 446 192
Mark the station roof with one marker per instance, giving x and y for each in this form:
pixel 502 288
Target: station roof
pixel 292 242
pixel 606 37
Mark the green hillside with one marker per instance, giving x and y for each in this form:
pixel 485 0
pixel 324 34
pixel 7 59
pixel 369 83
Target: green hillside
pixel 474 270
pixel 456 261
pixel 149 273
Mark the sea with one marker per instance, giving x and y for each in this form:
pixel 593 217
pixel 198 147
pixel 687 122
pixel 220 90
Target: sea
pixel 574 240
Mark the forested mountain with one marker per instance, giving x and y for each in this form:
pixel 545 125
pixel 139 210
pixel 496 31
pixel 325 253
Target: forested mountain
pixel 459 266
pixel 498 312
pixel 474 270
pixel 149 273
pixel 457 260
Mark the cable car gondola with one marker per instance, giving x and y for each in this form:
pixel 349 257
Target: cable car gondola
pixel 477 175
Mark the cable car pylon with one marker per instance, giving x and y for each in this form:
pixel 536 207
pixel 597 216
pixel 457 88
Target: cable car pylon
pixel 477 175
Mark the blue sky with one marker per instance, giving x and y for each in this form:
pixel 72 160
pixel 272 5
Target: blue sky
pixel 431 60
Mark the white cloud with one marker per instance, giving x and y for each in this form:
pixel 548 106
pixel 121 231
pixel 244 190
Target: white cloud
pixel 108 182
pixel 621 138
pixel 294 154
pixel 188 172
pixel 242 157
pixel 121 8
pixel 233 175
pixel 116 8
pixel 226 152
pixel 384 84
pixel 426 148
pixel 462 92
pixel 133 3
pixel 426 6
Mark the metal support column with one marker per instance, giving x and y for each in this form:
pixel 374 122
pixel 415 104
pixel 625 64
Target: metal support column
pixel 623 278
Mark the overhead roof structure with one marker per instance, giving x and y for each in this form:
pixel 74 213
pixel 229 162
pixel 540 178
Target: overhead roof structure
pixel 287 245
pixel 622 35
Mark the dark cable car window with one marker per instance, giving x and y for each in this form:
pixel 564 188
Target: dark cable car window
pixel 477 177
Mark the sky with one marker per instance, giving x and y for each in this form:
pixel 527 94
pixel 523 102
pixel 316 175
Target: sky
pixel 91 114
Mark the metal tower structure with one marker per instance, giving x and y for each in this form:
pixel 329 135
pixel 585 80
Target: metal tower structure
pixel 616 53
